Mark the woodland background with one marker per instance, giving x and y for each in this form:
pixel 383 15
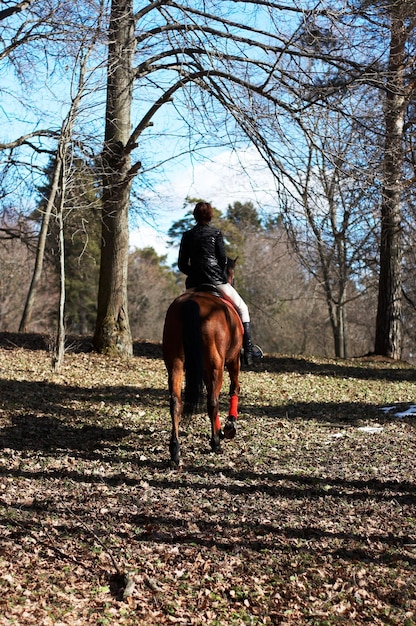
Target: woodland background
pixel 99 99
pixel 287 306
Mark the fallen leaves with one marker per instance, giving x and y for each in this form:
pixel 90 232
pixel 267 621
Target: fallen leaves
pixel 292 524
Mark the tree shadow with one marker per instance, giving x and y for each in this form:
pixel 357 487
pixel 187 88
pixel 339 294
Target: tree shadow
pixel 73 343
pixel 186 523
pixel 341 414
pixel 365 368
pixel 260 537
pixel 48 416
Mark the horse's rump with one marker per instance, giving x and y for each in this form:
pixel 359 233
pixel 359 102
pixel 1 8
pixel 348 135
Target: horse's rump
pixel 201 330
pixel 213 289
pixel 219 322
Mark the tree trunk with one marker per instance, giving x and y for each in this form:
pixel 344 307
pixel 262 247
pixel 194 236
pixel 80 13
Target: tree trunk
pixel 388 341
pixel 340 339
pixel 112 333
pixel 59 348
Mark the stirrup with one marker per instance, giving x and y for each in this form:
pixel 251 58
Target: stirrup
pixel 257 352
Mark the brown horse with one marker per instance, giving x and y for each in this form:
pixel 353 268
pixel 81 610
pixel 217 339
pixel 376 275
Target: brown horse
pixel 202 335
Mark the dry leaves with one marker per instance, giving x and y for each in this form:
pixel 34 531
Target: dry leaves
pixel 290 525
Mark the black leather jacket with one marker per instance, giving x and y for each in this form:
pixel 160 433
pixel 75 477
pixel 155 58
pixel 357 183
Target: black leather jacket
pixel 202 256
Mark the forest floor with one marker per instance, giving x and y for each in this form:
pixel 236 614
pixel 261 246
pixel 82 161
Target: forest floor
pixel 306 518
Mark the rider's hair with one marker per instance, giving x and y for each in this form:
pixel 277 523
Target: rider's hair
pixel 203 212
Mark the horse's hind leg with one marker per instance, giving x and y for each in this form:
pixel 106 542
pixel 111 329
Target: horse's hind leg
pixel 213 390
pixel 175 386
pixel 174 447
pixel 230 425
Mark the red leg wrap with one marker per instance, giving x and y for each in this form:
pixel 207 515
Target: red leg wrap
pixel 217 423
pixel 233 406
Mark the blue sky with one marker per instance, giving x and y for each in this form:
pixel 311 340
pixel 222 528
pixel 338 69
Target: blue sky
pixel 228 177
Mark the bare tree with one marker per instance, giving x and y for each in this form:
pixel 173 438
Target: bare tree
pixel 112 334
pixel 399 91
pixel 331 217
pixel 345 52
pixel 56 198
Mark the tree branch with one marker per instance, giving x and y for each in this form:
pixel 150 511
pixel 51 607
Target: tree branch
pixel 25 139
pixel 15 9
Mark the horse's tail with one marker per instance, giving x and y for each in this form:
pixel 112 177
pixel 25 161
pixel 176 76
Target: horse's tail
pixel 192 343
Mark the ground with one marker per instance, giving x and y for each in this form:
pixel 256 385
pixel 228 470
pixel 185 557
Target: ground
pixel 306 518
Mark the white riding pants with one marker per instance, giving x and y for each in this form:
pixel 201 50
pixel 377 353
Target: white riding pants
pixel 229 291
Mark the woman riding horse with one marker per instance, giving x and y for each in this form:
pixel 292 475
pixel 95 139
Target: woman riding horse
pixel 203 259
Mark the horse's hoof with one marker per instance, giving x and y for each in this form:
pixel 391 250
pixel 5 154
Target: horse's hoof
pixel 215 446
pixel 174 449
pixel 230 430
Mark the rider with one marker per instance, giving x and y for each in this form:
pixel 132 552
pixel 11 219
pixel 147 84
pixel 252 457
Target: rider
pixel 203 259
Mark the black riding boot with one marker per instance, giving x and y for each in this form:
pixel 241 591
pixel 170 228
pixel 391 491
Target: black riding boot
pixel 249 350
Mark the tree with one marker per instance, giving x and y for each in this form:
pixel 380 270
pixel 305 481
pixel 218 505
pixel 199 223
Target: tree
pixel 17 251
pixel 286 304
pixel 14 7
pixel 15 264
pixel 82 239
pixel 344 51
pixel 112 332
pixel 241 221
pixel 331 216
pixel 399 90
pixel 38 266
pixel 23 37
pixel 57 193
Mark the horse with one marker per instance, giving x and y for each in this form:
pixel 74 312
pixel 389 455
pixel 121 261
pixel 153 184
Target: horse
pixel 202 336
